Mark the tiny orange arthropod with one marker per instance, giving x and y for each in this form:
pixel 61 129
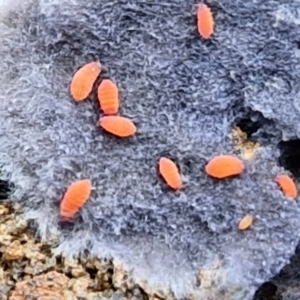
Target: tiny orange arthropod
pixel 205 21
pixel 287 185
pixel 169 171
pixel 108 96
pixel 117 125
pixel 223 166
pixel 246 222
pixel 83 80
pixel 75 197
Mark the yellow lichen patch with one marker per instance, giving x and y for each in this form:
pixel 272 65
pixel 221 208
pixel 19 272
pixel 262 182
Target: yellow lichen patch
pixel 241 143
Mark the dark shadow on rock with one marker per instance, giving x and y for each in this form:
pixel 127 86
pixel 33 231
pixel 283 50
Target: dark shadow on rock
pixel 284 286
pixel 290 156
pixel 5 188
pixel 267 291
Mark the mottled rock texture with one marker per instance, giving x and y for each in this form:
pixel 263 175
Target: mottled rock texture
pixel 185 95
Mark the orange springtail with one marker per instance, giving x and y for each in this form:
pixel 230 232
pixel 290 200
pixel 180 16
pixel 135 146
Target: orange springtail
pixel 223 166
pixel 205 21
pixel 75 197
pixel 170 173
pixel 118 126
pixel 245 222
pixel 287 185
pixel 83 80
pixel 108 96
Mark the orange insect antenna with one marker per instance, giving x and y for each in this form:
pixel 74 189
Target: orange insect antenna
pixel 83 80
pixel 287 185
pixel 205 21
pixel 170 173
pixel 75 197
pixel 108 96
pixel 223 166
pixel 118 126
pixel 246 222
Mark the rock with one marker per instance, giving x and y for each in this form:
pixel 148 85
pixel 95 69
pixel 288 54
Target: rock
pixel 4 290
pixel 241 142
pixel 44 287
pixel 286 283
pixel 13 252
pixel 3 210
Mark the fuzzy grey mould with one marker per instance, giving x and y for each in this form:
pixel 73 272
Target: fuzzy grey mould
pixel 184 94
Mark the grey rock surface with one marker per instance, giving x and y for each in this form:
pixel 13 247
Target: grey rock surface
pixel 184 94
pixel 286 283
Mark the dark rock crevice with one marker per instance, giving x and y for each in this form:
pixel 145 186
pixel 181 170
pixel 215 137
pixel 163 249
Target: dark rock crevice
pixel 290 156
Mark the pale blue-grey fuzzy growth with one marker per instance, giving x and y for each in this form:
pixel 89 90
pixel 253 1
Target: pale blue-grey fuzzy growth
pixel 184 94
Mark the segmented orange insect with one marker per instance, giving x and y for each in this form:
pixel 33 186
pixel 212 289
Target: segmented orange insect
pixel 170 173
pixel 83 80
pixel 205 21
pixel 117 125
pixel 287 185
pixel 223 166
pixel 75 197
pixel 246 222
pixel 108 96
